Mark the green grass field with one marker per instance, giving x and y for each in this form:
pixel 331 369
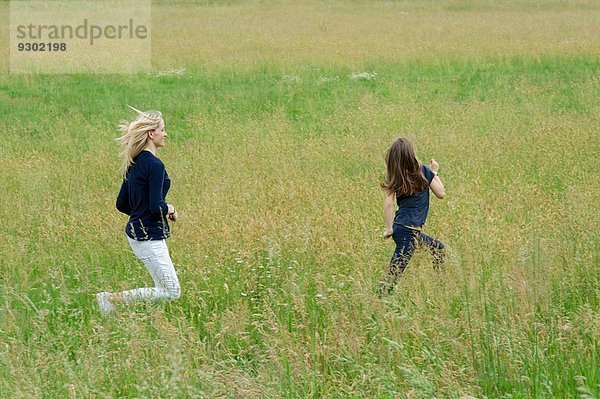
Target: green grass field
pixel 276 153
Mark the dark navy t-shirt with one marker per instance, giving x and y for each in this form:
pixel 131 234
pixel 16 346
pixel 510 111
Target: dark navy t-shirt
pixel 142 197
pixel 413 209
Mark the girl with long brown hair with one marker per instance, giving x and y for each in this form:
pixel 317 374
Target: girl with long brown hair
pixel 408 183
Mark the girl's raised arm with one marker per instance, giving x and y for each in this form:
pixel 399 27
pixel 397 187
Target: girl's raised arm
pixel 438 187
pixel 436 184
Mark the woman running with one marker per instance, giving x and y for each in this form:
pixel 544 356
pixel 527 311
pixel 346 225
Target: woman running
pixel 142 197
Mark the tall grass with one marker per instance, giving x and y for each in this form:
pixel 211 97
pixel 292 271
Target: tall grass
pixel 275 165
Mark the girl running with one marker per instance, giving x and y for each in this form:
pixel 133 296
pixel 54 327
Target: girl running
pixel 142 198
pixel 408 182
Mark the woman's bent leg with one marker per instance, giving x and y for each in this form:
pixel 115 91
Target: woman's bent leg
pixel 155 256
pixel 163 272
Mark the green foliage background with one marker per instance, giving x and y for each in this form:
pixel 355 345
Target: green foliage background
pixel 276 155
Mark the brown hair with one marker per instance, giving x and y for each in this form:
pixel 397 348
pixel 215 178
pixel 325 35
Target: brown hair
pixel 404 175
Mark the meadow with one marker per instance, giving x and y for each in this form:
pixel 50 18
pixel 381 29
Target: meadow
pixel 278 116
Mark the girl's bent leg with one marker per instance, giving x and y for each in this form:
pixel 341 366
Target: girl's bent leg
pixel 436 247
pixel 405 248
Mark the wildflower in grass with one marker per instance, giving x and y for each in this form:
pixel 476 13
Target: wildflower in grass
pixel 363 75
pixel 171 72
pixel 290 79
pixel 328 79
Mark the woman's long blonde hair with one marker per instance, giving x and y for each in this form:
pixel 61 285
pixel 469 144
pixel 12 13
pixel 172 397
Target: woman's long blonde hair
pixel 135 136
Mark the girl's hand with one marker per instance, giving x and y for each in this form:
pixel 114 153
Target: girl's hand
pixel 388 233
pixel 170 209
pixel 173 216
pixel 433 165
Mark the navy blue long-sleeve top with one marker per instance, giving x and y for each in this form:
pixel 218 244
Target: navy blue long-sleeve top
pixel 142 197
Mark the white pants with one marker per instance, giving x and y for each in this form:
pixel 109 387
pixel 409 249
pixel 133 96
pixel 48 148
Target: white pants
pixel 155 255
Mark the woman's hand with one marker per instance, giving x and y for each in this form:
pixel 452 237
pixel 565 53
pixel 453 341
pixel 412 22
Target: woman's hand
pixel 172 213
pixel 433 165
pixel 388 233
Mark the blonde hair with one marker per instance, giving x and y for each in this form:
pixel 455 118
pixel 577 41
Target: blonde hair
pixel 135 135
